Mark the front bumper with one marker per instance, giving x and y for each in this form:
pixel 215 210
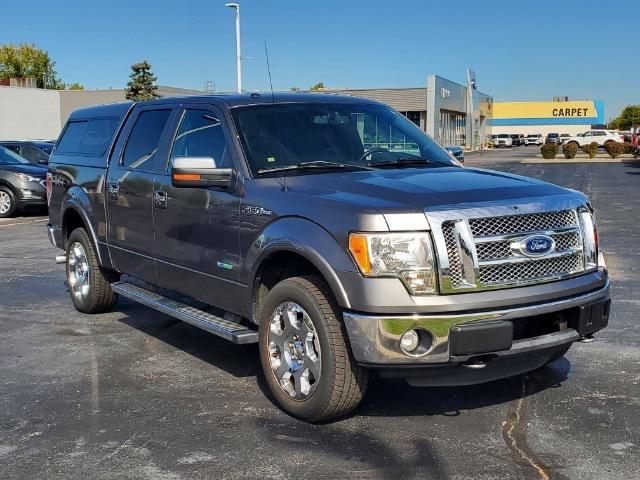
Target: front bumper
pixel 375 338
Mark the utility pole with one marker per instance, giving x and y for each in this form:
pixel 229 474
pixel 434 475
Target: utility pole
pixel 236 7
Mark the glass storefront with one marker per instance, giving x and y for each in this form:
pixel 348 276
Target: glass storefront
pixel 451 131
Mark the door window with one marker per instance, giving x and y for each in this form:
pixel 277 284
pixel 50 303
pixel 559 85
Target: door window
pixel 201 135
pixel 33 154
pixel 142 145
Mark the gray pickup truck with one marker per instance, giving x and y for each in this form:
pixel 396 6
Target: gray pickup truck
pixel 331 231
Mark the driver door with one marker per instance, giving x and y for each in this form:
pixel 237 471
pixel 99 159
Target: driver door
pixel 197 248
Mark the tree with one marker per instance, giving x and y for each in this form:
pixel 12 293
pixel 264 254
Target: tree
pixel 25 60
pixel 629 117
pixel 75 86
pixel 317 86
pixel 142 84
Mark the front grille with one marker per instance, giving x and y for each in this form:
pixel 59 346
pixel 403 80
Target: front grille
pixel 454 257
pixel 502 249
pixel 524 272
pixel 497 265
pixel 481 227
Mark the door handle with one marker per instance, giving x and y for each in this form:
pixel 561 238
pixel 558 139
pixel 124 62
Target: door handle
pixel 113 189
pixel 160 199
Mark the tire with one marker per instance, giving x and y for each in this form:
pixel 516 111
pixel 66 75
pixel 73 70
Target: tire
pixel 300 322
pixel 8 203
pixel 89 285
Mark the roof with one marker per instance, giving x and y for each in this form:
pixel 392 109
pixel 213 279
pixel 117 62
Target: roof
pixel 223 100
pixel 108 110
pixel 241 99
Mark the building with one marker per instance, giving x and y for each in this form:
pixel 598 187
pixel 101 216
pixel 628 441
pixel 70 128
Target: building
pixel 570 117
pixel 448 111
pixel 452 113
pixel 36 113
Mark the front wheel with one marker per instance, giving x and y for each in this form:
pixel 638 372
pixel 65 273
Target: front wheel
pixel 304 353
pixel 8 204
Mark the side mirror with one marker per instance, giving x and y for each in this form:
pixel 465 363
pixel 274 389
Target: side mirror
pixel 193 172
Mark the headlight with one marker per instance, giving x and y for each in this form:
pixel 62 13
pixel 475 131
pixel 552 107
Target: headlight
pixel 27 178
pixel 407 256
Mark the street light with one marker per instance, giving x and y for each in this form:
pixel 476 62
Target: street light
pixel 236 7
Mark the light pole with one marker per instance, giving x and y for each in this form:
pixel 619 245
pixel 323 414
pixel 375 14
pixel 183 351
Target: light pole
pixel 236 7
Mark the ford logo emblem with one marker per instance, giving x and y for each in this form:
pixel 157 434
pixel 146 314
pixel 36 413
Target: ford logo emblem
pixel 536 245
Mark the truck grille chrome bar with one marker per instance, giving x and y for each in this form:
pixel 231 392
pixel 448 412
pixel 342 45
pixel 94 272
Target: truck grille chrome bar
pixel 482 253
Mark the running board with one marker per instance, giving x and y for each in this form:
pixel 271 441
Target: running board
pixel 232 331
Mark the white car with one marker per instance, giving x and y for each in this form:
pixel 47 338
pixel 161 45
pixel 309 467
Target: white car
pixel 599 136
pixel 533 139
pixel 502 140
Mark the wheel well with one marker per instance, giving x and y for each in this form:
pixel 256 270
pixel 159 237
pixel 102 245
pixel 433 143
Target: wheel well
pixel 275 268
pixel 7 185
pixel 70 221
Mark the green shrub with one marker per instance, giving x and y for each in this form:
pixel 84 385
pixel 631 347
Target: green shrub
pixel 614 149
pixel 591 149
pixel 631 149
pixel 569 150
pixel 549 150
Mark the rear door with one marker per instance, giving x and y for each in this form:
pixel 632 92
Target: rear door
pixel 197 240
pixel 141 151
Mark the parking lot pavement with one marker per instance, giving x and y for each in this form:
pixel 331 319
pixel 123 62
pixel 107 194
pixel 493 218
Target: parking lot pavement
pixel 136 394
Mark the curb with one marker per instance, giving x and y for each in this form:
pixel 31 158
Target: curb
pixel 580 160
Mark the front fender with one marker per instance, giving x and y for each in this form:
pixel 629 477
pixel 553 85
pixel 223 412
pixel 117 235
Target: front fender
pixel 307 239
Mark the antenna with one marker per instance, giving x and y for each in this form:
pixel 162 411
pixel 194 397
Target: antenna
pixel 266 54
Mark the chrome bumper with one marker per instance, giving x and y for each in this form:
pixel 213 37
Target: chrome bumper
pixel 375 338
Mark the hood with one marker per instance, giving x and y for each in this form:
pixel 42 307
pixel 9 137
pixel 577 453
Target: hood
pixel 419 189
pixel 29 169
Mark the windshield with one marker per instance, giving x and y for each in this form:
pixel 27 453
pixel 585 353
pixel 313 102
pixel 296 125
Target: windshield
pixel 7 157
pixel 360 135
pixel 503 135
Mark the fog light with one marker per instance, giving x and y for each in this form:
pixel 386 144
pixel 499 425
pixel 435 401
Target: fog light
pixel 26 193
pixel 409 341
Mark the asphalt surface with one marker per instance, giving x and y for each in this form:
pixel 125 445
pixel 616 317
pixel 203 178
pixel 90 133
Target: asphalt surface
pixel 136 394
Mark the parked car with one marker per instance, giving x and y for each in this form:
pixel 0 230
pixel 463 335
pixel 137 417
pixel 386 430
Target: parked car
pixel 21 184
pixel 457 153
pixel 599 136
pixel 563 137
pixel 533 139
pixel 553 138
pixel 35 151
pixel 336 254
pixel 515 139
pixel 503 140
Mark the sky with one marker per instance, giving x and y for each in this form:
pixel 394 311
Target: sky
pixel 521 50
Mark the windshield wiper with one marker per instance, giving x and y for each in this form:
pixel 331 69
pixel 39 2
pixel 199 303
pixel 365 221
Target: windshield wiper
pixel 320 164
pixel 402 162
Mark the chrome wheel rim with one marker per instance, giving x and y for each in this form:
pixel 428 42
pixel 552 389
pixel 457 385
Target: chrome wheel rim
pixel 294 351
pixel 5 202
pixel 78 271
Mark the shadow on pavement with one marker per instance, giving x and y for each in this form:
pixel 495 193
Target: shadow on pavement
pixel 385 397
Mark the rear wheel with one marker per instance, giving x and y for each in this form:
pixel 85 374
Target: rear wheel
pixel 89 286
pixel 304 353
pixel 8 204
